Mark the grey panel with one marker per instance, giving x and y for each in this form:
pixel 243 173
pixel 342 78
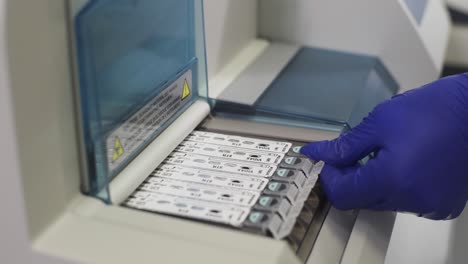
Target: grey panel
pixel 417 8
pixel 372 231
pixel 333 238
pixel 268 130
pixel 258 76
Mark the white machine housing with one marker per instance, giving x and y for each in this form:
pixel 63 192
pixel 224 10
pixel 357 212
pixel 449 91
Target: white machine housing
pixel 457 51
pixel 40 186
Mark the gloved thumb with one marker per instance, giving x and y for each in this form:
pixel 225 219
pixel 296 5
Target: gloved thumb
pixel 359 186
pixel 347 149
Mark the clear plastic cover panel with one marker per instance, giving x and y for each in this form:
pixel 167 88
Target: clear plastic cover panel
pixel 417 8
pixel 132 56
pixel 318 88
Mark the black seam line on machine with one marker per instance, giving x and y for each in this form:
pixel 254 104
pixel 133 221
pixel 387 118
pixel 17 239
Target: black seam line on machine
pixel 458 17
pixel 454 69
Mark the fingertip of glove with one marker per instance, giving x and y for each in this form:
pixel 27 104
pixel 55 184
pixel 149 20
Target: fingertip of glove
pixel 313 150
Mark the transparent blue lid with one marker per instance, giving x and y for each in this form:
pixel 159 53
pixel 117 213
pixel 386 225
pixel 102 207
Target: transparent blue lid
pixel 141 63
pixel 317 88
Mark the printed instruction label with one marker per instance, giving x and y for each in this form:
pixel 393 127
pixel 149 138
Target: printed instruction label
pixel 212 178
pixel 200 191
pixel 210 163
pixel 180 206
pixel 225 152
pixel 128 138
pixel 239 142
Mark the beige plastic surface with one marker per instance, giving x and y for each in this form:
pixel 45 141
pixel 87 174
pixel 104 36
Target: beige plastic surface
pixel 226 34
pixel 247 88
pixel 91 232
pixel 41 86
pixel 232 70
pixel 370 238
pixel 457 52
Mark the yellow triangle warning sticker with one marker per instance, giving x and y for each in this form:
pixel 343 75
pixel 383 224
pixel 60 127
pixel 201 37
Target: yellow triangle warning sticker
pixel 186 91
pixel 118 149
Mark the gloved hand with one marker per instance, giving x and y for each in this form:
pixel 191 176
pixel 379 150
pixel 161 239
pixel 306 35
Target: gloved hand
pixel 420 163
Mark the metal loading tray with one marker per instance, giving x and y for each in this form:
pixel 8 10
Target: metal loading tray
pixel 258 185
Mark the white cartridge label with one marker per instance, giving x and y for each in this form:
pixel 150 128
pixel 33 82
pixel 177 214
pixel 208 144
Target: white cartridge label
pixel 129 137
pixel 240 142
pixel 191 208
pixel 210 163
pixel 211 177
pixel 200 191
pixel 219 151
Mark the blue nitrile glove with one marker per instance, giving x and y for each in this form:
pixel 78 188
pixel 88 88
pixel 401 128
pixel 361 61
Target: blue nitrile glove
pixel 420 142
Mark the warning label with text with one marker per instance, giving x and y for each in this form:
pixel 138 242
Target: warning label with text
pixel 140 127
